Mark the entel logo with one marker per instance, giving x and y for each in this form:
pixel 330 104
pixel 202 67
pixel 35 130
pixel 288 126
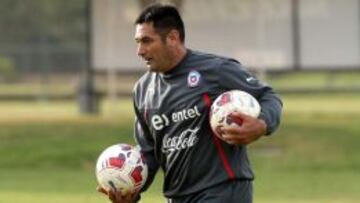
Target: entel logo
pixel 160 121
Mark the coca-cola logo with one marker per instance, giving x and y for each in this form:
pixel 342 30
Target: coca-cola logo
pixel 186 139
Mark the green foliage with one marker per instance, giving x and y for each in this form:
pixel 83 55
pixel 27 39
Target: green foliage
pixel 24 20
pixel 7 69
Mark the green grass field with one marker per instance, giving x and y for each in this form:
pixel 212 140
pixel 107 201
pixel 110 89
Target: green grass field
pixel 48 151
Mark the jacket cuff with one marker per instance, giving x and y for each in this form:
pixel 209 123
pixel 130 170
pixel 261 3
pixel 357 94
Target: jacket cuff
pixel 263 117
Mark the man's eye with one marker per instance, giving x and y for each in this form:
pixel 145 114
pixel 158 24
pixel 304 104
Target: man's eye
pixel 146 40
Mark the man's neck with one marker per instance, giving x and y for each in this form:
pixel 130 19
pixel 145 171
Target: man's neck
pixel 179 55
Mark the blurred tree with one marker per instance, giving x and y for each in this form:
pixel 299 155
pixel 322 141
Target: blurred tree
pixel 7 71
pixel 23 21
pixel 43 34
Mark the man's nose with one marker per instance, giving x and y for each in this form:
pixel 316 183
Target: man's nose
pixel 140 51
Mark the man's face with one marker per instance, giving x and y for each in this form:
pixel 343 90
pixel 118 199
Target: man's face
pixel 152 49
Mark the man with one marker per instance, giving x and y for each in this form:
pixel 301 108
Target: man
pixel 171 103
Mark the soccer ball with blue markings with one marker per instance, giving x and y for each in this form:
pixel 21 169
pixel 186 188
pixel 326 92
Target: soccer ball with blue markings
pixel 228 103
pixel 121 167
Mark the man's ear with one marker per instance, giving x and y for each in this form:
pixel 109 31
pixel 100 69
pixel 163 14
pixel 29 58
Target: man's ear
pixel 173 37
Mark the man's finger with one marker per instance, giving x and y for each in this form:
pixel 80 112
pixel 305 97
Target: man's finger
pixel 102 190
pixel 112 196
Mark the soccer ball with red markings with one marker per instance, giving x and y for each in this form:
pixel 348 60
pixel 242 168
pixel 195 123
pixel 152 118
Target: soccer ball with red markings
pixel 121 167
pixel 228 103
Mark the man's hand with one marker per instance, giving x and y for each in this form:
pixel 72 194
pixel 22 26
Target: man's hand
pixel 118 197
pixel 248 129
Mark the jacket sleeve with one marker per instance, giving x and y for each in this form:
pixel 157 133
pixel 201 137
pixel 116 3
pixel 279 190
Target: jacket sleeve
pixel 232 75
pixel 144 140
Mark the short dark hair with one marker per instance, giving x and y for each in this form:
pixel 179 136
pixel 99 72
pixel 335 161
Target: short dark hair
pixel 164 19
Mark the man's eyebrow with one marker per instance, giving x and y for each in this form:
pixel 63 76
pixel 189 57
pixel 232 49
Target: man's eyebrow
pixel 143 38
